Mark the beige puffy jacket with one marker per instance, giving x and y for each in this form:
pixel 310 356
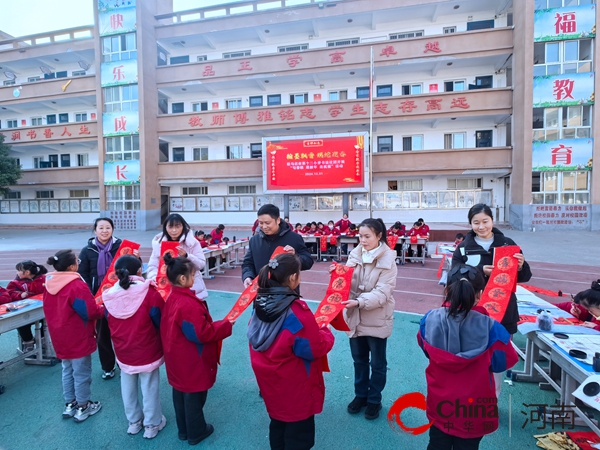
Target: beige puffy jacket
pixel 372 286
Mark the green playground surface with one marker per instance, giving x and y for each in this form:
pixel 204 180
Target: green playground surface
pixel 32 404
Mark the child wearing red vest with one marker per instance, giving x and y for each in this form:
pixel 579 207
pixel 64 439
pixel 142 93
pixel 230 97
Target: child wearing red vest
pixel 71 312
pixel 463 343
pixel 134 310
pixel 190 341
pixel 286 350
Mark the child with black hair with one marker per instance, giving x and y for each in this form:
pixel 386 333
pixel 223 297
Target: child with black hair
pixel 286 347
pixel 29 281
pixel 71 312
pixel 459 238
pixel 586 306
pixel 191 347
pixel 298 228
pixel 463 343
pixel 134 309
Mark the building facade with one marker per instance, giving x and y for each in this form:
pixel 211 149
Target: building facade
pixel 152 111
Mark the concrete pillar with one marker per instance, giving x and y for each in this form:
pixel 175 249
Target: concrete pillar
pixel 522 120
pixel 346 203
pixel 286 205
pixel 594 209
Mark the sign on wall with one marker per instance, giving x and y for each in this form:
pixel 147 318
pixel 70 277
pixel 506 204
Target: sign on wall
pixel 117 73
pixel 559 24
pixel 570 89
pixel 116 17
pixel 320 163
pixel 122 172
pixel 564 154
pixel 120 123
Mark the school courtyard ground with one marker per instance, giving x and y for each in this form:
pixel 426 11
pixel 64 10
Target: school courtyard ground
pixel 30 409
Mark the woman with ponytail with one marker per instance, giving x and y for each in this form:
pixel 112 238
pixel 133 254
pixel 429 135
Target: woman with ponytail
pixel 465 347
pixel 286 350
pixel 134 311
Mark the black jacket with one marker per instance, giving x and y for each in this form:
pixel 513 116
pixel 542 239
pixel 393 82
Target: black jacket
pixel 271 303
pixel 471 253
pixel 88 267
pixel 262 247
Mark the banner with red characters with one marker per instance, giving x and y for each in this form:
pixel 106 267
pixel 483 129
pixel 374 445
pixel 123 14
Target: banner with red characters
pixel 162 282
pixel 330 309
pixel 126 248
pixel 502 282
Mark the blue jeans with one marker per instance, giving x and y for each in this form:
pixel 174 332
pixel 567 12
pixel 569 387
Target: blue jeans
pixel 365 386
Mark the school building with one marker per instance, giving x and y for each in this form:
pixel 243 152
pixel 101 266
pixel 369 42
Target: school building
pixel 151 111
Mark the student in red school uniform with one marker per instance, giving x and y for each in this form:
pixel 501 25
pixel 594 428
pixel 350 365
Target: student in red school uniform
pixel 254 227
pixel 395 230
pixel 190 342
pixel 30 280
pixel 416 230
pixel 200 236
pixel 424 228
pixel 306 228
pixel 343 224
pixel 217 234
pixel 352 231
pixel 585 306
pixel 4 296
pixel 298 229
pixel 333 229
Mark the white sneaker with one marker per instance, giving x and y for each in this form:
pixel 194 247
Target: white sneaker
pixel 135 427
pixel 152 430
pixel 70 410
pixel 83 412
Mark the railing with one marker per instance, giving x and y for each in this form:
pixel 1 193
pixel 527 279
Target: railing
pixel 244 7
pixel 59 205
pixel 50 37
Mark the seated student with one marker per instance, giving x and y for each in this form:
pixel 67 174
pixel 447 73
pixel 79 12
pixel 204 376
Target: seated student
pixel 333 229
pixel 312 231
pixel 30 280
pixel 424 228
pixel 322 230
pixel 313 228
pixel 306 228
pixel 217 234
pixel 586 306
pixel 352 231
pixel 211 261
pixel 396 231
pixel 298 228
pixel 417 231
pixel 458 238
pixel 254 227
pixel 343 224
pixel 199 235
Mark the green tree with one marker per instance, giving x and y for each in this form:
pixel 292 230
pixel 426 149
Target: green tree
pixel 10 171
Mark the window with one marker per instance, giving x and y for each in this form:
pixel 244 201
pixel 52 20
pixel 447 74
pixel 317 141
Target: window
pixel 65 160
pixel 480 25
pixel 239 54
pixel 292 48
pixel 341 42
pixel 234 152
pixel 406 34
pixel 385 144
pixel 338 95
pixel 33 79
pixel 37 162
pixel 567 122
pixel 384 91
pixel 483 138
pixel 78 73
pixel 412 143
pixel 362 92
pixel 392 185
pixel 63 118
pixel 554 58
pixel 81 117
pixel 200 106
pixel 256 101
pixel 410 185
pixel 195 190
pixel 178 154
pixel 411 89
pixel 457 85
pixel 51 119
pixel 44 194
pixel 122 198
pixel 12 123
pixel 449 30
pixel 464 183
pixel 62 74
pixel 83 160
pixel 544 4
pixel 13 195
pixel 9 82
pixel 200 154
pixel 36 121
pixel 177 107
pixel 123 148
pixel 485 82
pixel 274 100
pixel 121 98
pixel 298 98
pixel 567 188
pixel 202 58
pixel 79 193
pixel 53 160
pixel 256 150
pixel 233 104
pixel 454 140
pixel 251 189
pixel 119 48
pixel 179 59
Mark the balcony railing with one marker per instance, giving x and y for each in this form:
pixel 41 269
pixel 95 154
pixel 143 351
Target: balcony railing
pixel 72 176
pixel 48 90
pixel 50 37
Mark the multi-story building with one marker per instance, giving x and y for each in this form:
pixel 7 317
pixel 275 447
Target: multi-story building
pixel 187 98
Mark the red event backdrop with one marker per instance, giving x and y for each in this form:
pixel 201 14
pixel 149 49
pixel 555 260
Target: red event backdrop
pixel 314 163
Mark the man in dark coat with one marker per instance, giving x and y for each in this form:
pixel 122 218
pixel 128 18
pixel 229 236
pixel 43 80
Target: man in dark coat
pixel 273 232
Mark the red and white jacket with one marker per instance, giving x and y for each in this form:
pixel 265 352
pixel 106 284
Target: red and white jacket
pixel 343 224
pixel 32 286
pixel 191 341
pixel 4 296
pixel 71 313
pixel 134 316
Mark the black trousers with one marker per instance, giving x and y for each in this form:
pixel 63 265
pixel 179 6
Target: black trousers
pixel 438 440
pixel 189 414
pixel 25 333
pixel 105 347
pixel 292 435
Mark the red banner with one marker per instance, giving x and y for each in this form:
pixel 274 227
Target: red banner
pixel 126 248
pixel 248 295
pixel 318 163
pixel 523 318
pixel 333 239
pixel 338 291
pixel 392 241
pixel 323 241
pixel 502 282
pixel 162 282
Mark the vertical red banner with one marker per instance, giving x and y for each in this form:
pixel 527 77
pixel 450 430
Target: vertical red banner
pixel 162 282
pixel 126 248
